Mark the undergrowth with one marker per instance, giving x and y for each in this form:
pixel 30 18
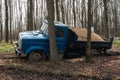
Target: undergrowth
pixel 6 47
pixel 116 43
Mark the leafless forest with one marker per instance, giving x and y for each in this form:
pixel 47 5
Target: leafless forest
pixel 27 15
pixel 22 15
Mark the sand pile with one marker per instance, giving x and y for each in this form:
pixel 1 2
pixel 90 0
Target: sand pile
pixel 82 34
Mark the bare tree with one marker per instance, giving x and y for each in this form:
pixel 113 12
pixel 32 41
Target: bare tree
pixel 51 30
pixel 106 28
pixel 30 14
pixel 1 30
pixel 10 20
pixel 116 18
pixel 6 21
pixel 88 48
pixel 57 10
pixel 62 11
pixel 74 13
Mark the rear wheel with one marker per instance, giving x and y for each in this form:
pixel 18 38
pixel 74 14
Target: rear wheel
pixel 37 56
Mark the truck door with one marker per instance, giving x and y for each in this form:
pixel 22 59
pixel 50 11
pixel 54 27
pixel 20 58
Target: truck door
pixel 60 39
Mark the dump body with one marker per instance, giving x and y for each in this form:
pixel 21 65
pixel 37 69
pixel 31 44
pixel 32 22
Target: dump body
pixel 94 44
pixel 80 46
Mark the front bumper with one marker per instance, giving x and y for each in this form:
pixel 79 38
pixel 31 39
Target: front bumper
pixel 17 50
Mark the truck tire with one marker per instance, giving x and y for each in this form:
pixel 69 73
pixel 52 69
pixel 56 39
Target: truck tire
pixel 37 56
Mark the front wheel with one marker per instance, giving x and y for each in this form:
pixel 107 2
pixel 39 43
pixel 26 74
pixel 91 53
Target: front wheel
pixel 37 56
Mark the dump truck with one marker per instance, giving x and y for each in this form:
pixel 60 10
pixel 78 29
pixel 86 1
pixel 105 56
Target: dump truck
pixel 35 44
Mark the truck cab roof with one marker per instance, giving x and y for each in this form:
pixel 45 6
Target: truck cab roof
pixel 42 33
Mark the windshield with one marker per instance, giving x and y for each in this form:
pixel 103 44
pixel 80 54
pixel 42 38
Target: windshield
pixel 44 28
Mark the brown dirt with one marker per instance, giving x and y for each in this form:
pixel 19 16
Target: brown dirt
pixel 82 34
pixel 102 68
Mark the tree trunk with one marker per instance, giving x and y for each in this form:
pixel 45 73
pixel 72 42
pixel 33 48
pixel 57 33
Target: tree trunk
pixel 51 30
pixel 88 48
pixel 62 11
pixel 116 19
pixel 10 8
pixel 6 21
pixel 57 10
pixel 30 14
pixel 74 13
pixel 106 28
pixel 0 22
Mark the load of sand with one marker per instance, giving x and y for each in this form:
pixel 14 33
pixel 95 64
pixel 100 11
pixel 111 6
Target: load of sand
pixel 82 34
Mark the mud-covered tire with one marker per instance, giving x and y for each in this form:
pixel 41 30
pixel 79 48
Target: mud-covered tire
pixel 37 56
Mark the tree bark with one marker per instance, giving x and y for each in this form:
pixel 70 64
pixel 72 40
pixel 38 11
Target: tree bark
pixel 30 15
pixel 62 11
pixel 0 22
pixel 88 48
pixel 74 13
pixel 10 8
pixel 51 30
pixel 106 28
pixel 6 21
pixel 116 19
pixel 57 10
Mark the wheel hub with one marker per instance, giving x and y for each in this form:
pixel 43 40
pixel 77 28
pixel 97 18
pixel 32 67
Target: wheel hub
pixel 35 56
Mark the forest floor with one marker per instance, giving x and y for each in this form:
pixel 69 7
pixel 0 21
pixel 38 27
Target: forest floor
pixel 101 68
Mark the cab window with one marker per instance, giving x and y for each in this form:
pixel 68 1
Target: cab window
pixel 59 32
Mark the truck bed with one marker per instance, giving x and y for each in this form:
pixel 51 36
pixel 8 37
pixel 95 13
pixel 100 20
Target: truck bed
pixel 96 45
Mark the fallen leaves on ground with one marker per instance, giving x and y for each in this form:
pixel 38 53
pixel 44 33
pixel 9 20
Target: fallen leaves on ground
pixel 102 67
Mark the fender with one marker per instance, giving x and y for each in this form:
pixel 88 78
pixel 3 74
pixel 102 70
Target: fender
pixel 36 48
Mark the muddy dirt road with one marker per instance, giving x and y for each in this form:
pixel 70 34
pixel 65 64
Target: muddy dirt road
pixel 102 68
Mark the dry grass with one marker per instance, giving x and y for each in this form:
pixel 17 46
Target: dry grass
pixel 5 47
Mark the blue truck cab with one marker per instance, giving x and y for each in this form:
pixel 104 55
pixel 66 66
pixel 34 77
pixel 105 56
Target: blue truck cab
pixel 35 44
